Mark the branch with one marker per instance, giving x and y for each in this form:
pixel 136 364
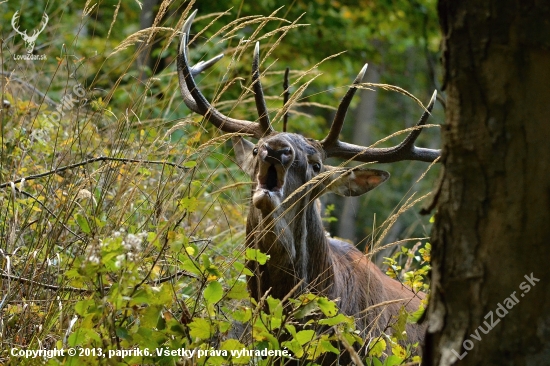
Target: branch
pixel 49 211
pixel 89 161
pixel 32 88
pixel 83 290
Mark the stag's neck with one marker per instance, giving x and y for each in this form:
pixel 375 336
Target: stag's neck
pixel 298 249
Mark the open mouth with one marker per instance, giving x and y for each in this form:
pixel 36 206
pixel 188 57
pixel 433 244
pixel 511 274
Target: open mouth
pixel 269 178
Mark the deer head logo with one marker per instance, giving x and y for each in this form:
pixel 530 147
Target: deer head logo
pixel 30 41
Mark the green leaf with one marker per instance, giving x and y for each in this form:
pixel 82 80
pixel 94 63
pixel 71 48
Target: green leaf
pixel 393 361
pixel 399 326
pixel 256 255
pixel 242 315
pixel 190 265
pixel 235 345
pixel 81 307
pixel 82 223
pixel 240 267
pixel 200 328
pixel 140 297
pixel 213 292
pixel 338 319
pixel 378 348
pixel 190 164
pixel 275 306
pixel 304 336
pixel 238 291
pixel 415 316
pixel 376 362
pixel 326 346
pixel 150 316
pixel 328 307
pixel 122 333
pixel 189 203
pixel 81 337
pixel 398 351
pixel 294 347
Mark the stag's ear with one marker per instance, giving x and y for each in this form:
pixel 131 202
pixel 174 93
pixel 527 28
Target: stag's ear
pixel 354 181
pixel 243 152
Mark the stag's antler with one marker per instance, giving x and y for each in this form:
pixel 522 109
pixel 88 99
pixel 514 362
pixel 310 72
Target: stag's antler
pixel 196 101
pixel 29 40
pixel 16 28
pixel 331 144
pixel 406 150
pixel 43 22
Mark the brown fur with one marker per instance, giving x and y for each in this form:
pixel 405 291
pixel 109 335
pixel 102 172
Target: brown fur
pixel 284 221
pixel 292 233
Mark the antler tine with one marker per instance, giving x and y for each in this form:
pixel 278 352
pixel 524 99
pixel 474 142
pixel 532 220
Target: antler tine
pixel 196 101
pixel 44 22
pixel 259 93
pixel 16 28
pixel 286 95
pixel 408 143
pixel 406 150
pixel 338 121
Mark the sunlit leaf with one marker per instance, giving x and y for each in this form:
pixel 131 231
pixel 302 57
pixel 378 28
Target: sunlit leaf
pixel 213 292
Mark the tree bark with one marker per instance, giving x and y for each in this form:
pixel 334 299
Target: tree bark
pixel 491 238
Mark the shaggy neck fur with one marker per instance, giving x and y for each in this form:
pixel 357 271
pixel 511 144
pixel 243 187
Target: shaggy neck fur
pixel 298 247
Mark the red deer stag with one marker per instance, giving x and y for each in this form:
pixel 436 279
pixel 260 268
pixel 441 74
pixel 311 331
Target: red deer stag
pixel 289 174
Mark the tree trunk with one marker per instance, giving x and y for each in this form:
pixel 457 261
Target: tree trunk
pixel 362 127
pixel 490 280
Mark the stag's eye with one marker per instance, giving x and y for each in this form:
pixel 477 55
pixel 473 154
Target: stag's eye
pixel 255 151
pixel 316 167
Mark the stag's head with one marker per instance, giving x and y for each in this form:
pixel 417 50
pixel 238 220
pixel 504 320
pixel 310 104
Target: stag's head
pixel 30 41
pixel 287 165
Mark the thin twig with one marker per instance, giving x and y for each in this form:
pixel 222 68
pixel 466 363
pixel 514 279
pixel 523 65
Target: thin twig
pixel 49 211
pixel 46 285
pixel 83 290
pixel 89 161
pixel 29 86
